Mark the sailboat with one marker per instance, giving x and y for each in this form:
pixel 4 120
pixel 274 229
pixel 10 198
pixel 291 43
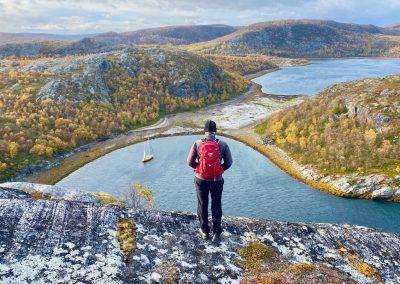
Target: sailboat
pixel 147 155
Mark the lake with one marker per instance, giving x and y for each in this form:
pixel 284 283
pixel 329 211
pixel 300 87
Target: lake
pixel 254 186
pixel 312 78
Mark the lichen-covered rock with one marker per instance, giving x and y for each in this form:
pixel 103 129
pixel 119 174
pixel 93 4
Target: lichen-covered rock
pixel 70 242
pixel 168 237
pixel 58 242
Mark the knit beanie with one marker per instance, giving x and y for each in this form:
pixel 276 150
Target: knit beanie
pixel 210 126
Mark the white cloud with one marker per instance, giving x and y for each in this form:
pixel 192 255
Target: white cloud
pixel 85 16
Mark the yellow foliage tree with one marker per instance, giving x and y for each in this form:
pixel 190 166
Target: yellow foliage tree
pixel 13 149
pixel 3 166
pixel 370 135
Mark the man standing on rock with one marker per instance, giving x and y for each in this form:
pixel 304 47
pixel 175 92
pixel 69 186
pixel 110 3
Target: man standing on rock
pixel 206 156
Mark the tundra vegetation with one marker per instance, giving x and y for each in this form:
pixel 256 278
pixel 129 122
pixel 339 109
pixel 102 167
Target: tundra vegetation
pixel 49 106
pixel 349 127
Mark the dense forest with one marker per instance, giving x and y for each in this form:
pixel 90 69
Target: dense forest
pixel 49 106
pixel 348 127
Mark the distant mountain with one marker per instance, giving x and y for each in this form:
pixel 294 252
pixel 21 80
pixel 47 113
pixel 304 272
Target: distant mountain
pixel 307 38
pixel 174 35
pixel 9 38
pixel 286 38
pixel 395 26
pixel 177 35
pixel 61 48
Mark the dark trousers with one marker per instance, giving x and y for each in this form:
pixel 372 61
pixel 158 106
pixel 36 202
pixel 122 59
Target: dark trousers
pixel 203 189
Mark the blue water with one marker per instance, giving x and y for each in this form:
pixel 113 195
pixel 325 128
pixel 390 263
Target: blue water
pixel 254 186
pixel 311 79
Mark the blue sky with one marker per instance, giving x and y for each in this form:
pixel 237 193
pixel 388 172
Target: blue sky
pixel 93 16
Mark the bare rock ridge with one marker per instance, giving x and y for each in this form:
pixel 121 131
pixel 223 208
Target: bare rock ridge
pixel 58 241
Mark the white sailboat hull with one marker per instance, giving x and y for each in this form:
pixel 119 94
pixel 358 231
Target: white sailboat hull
pixel 149 155
pixel 147 158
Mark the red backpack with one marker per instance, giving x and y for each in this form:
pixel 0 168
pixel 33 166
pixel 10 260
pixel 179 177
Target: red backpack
pixel 209 166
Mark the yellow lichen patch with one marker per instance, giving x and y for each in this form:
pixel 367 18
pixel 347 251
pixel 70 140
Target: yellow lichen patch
pixel 39 195
pixel 358 263
pixel 169 273
pixel 106 198
pixel 126 236
pixel 301 268
pixel 273 278
pixel 36 194
pixel 254 255
pixel 366 269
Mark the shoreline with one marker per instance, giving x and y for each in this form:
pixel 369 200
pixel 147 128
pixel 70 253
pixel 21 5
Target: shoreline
pixel 281 162
pixel 53 171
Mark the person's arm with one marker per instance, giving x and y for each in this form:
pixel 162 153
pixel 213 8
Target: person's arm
pixel 227 156
pixel 191 159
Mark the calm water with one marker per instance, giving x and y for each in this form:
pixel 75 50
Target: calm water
pixel 254 186
pixel 311 79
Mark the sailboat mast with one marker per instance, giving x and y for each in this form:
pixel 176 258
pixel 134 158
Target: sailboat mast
pixel 150 149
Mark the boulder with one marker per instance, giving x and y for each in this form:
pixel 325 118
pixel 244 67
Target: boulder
pixel 383 193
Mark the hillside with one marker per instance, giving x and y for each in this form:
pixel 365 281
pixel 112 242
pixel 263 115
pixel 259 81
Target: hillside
pixel 306 38
pixel 8 38
pixel 61 48
pixel 53 45
pixel 395 26
pixel 251 63
pixel 52 105
pixel 177 35
pixel 348 129
pixel 89 242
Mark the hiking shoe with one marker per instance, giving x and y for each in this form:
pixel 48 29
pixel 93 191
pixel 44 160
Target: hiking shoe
pixel 216 238
pixel 204 235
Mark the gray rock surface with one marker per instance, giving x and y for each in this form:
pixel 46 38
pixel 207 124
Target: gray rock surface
pixel 11 193
pixel 70 242
pixel 383 193
pixel 58 242
pixel 51 191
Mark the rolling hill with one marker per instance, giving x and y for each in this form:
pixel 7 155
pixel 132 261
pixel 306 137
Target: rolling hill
pixel 9 38
pixel 306 38
pixel 52 45
pixel 177 35
pixel 351 127
pixel 52 105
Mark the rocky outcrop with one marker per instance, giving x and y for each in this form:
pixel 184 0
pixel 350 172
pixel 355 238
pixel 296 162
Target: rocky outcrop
pixel 60 241
pixel 85 77
pixel 360 112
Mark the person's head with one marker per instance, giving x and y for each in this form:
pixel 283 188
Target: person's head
pixel 210 126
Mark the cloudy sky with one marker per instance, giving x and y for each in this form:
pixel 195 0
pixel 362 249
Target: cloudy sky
pixel 93 16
